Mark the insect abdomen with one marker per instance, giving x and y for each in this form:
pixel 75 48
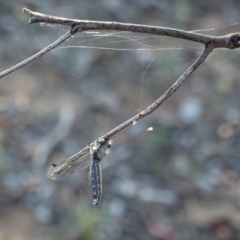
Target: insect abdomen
pixel 96 181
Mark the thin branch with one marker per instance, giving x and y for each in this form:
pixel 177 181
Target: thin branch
pixel 37 55
pixel 211 42
pixel 228 41
pixel 150 109
pixel 208 49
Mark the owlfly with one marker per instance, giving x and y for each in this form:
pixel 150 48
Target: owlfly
pixel 90 156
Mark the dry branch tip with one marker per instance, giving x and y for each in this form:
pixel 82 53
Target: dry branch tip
pixel 235 40
pixel 28 12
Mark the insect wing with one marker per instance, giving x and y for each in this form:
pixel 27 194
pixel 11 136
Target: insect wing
pixel 71 165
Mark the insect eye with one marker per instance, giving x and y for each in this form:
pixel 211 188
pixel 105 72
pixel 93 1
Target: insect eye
pixel 102 141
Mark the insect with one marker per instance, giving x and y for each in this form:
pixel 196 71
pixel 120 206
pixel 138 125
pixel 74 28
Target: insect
pixel 89 156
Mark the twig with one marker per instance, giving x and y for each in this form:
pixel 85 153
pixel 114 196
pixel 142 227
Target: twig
pixel 228 41
pixel 39 54
pixel 208 49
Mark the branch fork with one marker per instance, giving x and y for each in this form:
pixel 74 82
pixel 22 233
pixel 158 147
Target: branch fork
pixel 230 41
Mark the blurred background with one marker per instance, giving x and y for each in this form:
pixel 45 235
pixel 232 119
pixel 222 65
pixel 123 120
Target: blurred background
pixel 180 181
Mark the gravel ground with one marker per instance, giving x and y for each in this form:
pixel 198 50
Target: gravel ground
pixel 178 182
